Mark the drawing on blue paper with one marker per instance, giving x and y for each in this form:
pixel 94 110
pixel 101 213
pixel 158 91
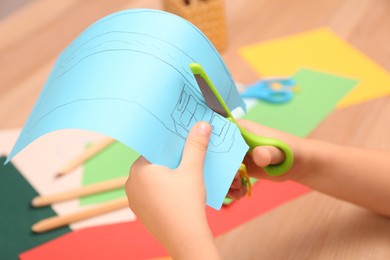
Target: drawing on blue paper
pixel 191 109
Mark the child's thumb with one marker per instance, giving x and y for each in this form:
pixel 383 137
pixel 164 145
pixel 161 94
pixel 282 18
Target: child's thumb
pixel 196 146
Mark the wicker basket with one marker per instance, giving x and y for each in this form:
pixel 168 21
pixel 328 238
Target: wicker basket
pixel 207 15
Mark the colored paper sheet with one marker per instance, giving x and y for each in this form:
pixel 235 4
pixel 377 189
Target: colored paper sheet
pixel 127 77
pixel 126 240
pixel 320 49
pixel 113 162
pixel 55 150
pixel 17 217
pixel 130 240
pixel 319 93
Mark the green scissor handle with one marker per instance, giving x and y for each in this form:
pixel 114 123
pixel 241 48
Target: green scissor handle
pixel 251 139
pixel 254 140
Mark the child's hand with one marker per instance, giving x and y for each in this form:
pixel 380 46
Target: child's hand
pixel 263 156
pixel 171 203
pixel 345 173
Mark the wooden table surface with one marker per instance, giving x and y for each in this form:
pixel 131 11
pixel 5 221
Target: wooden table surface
pixel 313 226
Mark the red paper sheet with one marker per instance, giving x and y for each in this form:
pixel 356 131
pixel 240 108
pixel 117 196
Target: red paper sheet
pixel 130 240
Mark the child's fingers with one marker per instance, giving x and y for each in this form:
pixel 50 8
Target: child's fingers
pixel 236 183
pixel 139 164
pixel 237 193
pixel 196 146
pixel 266 155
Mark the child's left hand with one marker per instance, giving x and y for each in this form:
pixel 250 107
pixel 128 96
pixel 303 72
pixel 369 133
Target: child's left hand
pixel 171 202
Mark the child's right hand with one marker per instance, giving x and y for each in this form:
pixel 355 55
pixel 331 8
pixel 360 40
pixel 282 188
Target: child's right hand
pixel 346 173
pixel 263 156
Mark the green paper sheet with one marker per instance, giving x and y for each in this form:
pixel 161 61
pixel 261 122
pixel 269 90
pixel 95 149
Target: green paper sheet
pixel 113 162
pixel 318 95
pixel 323 50
pixel 17 217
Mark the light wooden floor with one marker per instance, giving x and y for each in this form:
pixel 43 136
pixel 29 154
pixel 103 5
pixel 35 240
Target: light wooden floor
pixel 312 227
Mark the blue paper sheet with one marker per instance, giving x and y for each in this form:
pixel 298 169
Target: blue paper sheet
pixel 127 77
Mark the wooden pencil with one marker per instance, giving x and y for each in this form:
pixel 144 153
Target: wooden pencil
pixel 60 221
pixel 87 154
pixel 41 201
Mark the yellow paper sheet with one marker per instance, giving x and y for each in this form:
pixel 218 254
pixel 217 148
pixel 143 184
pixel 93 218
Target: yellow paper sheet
pixel 320 49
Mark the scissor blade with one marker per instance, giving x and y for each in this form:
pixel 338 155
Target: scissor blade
pixel 209 97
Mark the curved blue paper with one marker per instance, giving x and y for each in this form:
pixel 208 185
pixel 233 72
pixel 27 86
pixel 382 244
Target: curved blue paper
pixel 127 77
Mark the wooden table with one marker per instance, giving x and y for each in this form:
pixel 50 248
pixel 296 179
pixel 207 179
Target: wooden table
pixel 314 226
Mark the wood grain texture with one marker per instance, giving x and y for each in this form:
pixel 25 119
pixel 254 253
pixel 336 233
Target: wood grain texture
pixel 314 226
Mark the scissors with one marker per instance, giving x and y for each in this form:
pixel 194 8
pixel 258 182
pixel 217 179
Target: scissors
pixel 217 104
pixel 276 91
